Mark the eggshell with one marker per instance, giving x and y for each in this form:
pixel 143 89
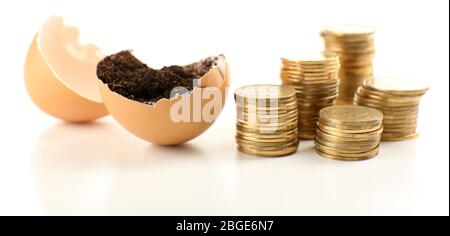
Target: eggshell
pixel 60 74
pixel 153 123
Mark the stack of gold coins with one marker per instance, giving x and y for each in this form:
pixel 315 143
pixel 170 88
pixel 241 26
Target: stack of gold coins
pixel 315 79
pixel 267 120
pixel 398 98
pixel 349 132
pixel 354 45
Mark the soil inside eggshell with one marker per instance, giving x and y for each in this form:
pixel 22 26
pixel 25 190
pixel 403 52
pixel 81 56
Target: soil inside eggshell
pixel 126 75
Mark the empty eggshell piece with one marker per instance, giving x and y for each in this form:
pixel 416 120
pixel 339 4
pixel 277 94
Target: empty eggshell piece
pixel 60 74
pixel 155 123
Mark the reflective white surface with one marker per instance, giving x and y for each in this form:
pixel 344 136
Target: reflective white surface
pixel 49 167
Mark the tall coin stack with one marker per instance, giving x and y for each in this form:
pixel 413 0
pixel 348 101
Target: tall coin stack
pixel 267 120
pixel 354 44
pixel 398 98
pixel 315 79
pixel 349 132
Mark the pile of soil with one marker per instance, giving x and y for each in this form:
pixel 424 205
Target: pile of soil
pixel 126 75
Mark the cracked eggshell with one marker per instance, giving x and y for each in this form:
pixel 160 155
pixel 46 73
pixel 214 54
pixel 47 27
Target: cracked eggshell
pixel 154 123
pixel 60 74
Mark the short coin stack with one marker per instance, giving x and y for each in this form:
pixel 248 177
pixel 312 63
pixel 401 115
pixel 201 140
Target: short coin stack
pixel 398 98
pixel 267 120
pixel 349 132
pixel 354 45
pixel 315 79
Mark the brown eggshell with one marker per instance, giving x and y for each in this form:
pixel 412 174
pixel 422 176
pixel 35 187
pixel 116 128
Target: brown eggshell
pixel 72 94
pixel 153 123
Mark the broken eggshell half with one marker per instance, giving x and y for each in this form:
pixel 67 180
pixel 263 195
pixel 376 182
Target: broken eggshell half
pixel 162 123
pixel 60 73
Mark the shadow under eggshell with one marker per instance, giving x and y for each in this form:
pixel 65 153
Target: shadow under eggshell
pixel 154 123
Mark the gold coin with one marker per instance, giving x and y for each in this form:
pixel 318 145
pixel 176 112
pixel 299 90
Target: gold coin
pixel 398 137
pixel 349 30
pixel 365 90
pixel 332 130
pixel 306 136
pixel 348 146
pixel 318 87
pixel 266 104
pixel 400 120
pixel 267 145
pixel 266 119
pixel 389 99
pixel 277 153
pixel 351 115
pixel 267 123
pixel 317 90
pixel 331 38
pixel 309 82
pixel 342 152
pixel 256 135
pixel 310 58
pixel 264 92
pixel 343 158
pixel 330 68
pixel 397 85
pixel 359 127
pixel 387 109
pixel 354 138
pixel 265 132
pixel 351 50
pixel 400 130
pixel 356 47
pixel 256 146
pixel 268 127
pixel 265 113
pixel 377 103
pixel 264 141
pixel 372 134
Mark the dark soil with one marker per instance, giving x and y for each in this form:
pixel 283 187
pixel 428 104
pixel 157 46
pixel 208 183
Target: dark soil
pixel 126 75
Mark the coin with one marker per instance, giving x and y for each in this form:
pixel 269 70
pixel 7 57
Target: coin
pixel 314 76
pixel 348 132
pixel 264 92
pixel 398 137
pixel 355 138
pixel 267 145
pixel 361 157
pixel 267 120
pixel 350 115
pixel 397 85
pixel 346 152
pixel 274 153
pixel 398 98
pixel 354 45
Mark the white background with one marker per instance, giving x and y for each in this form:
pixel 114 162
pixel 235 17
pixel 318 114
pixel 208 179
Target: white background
pixel 49 167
